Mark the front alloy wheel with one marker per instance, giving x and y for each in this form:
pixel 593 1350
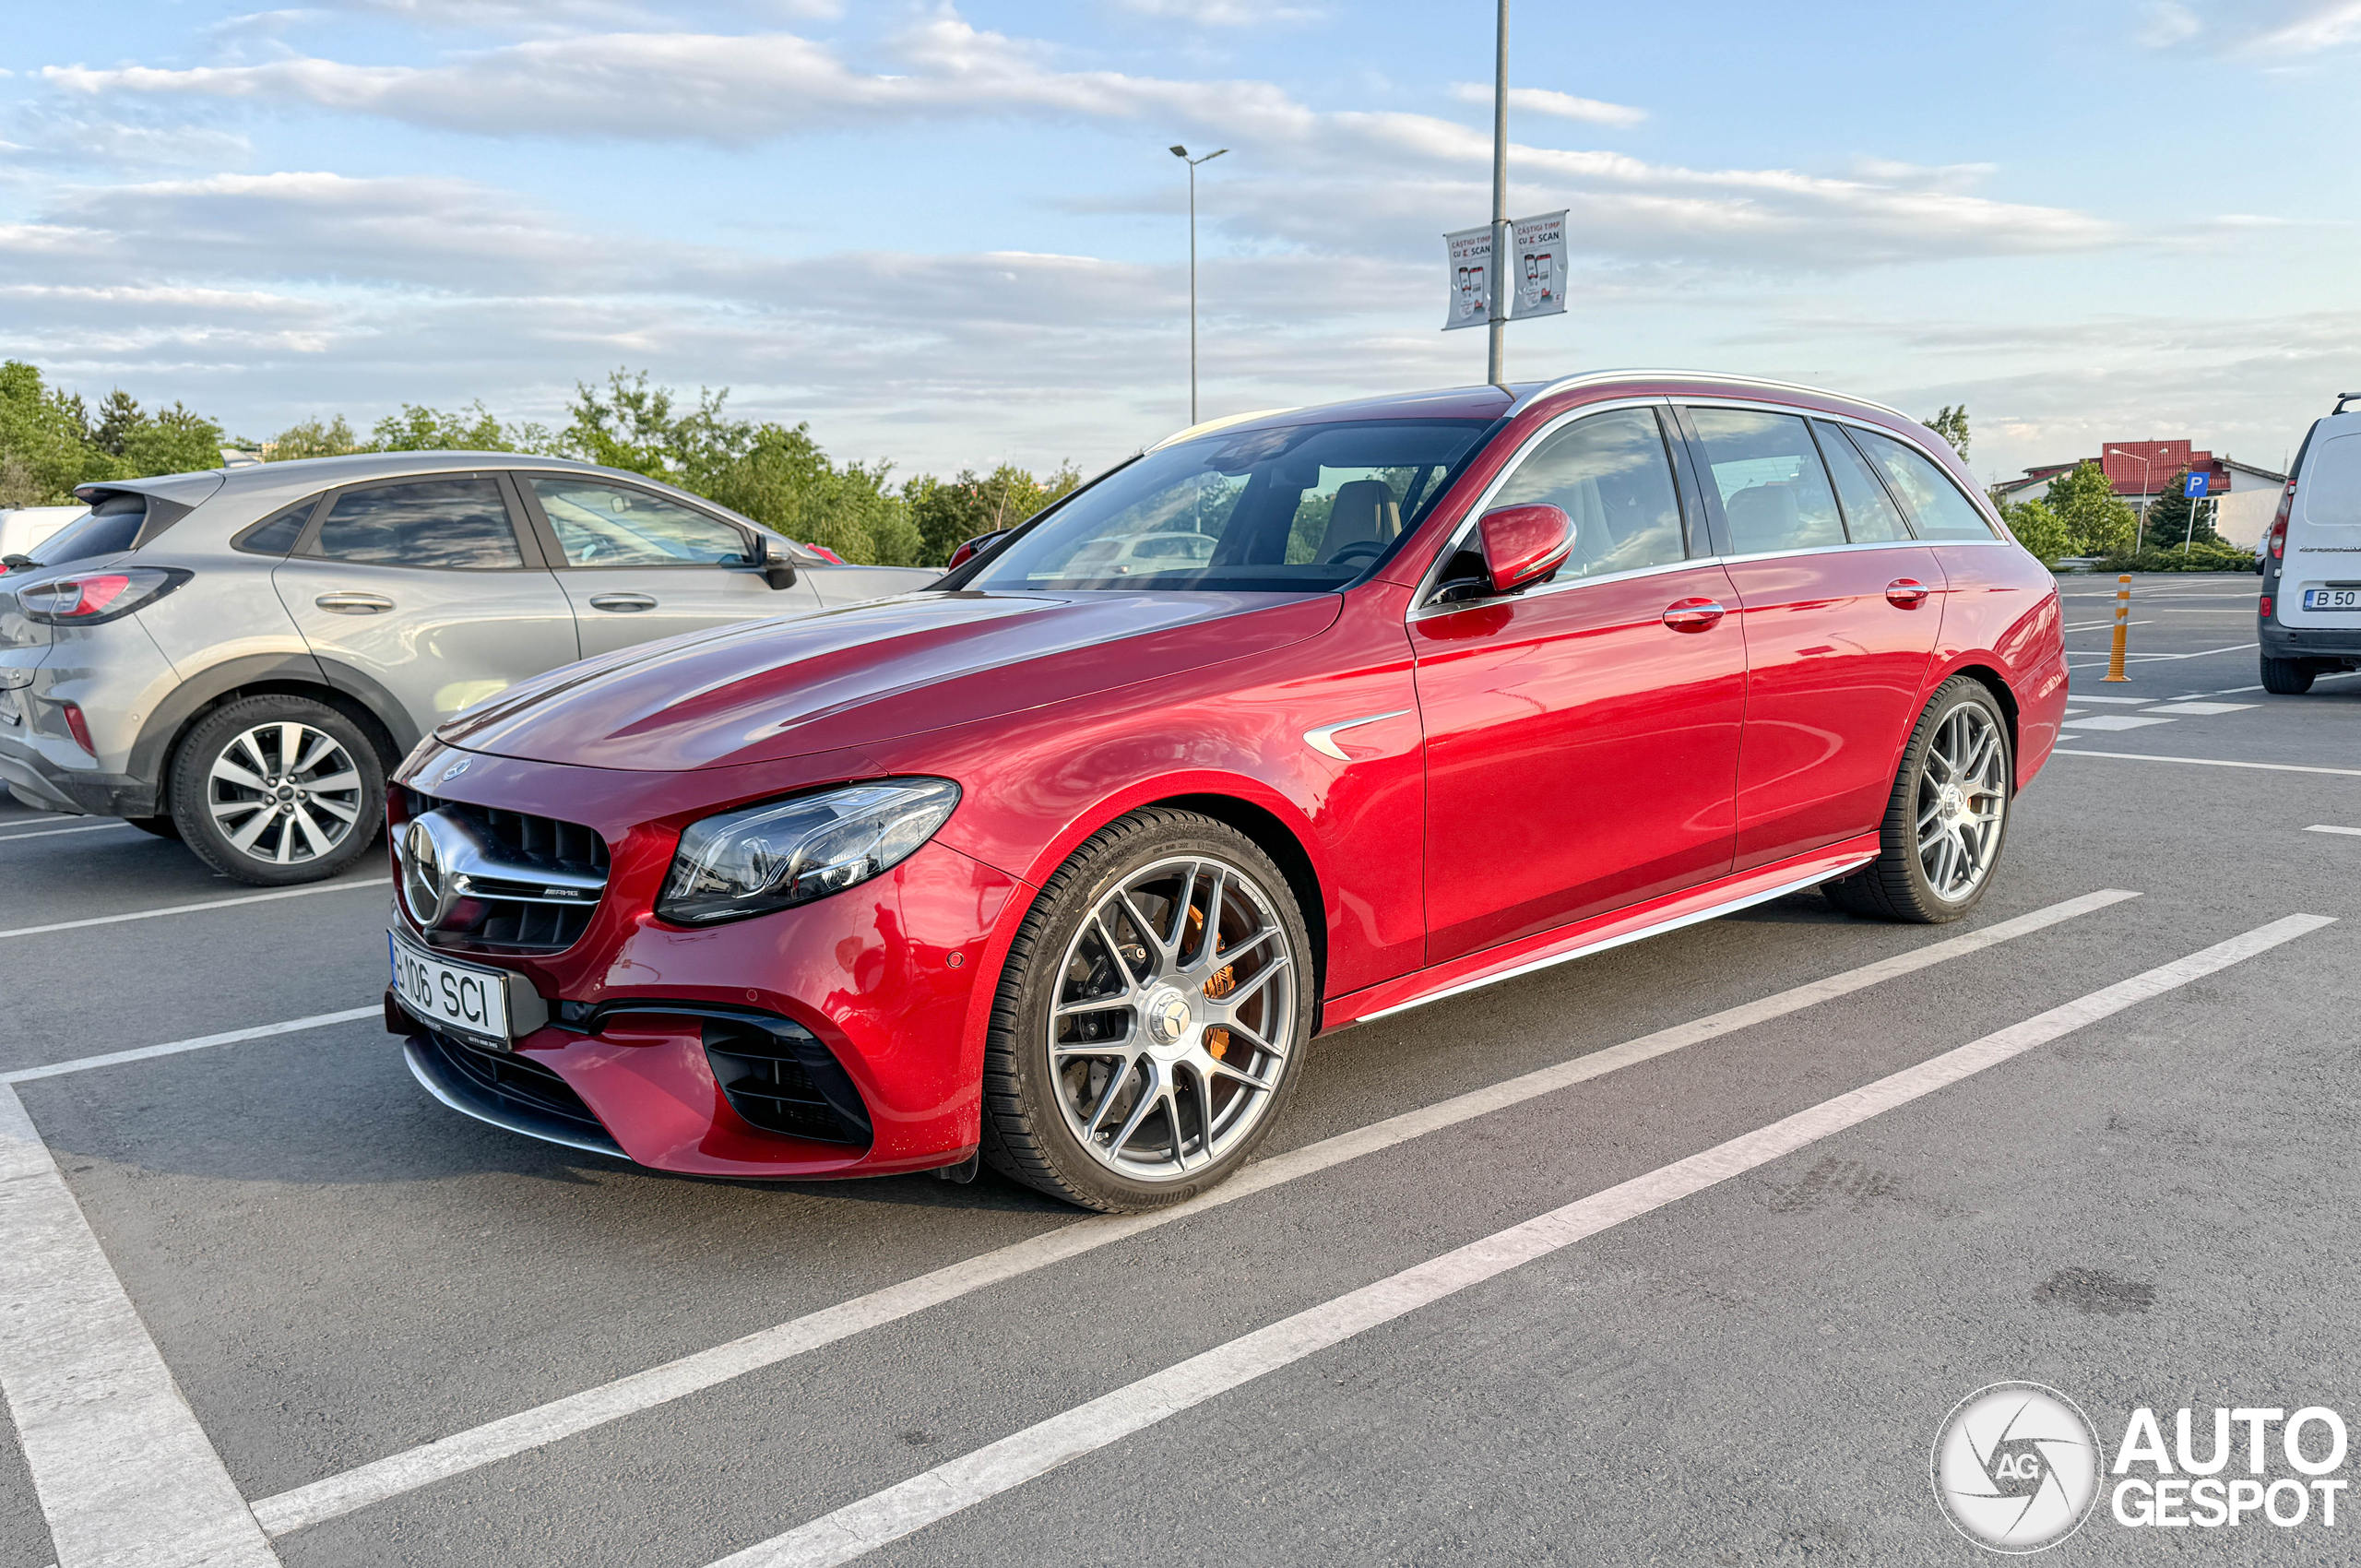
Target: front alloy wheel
pixel 1144 1064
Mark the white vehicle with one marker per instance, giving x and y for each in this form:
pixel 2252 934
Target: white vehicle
pixel 1143 552
pixel 26 525
pixel 2311 578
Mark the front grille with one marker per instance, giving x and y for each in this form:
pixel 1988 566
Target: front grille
pixel 515 1080
pixel 530 923
pixel 777 1076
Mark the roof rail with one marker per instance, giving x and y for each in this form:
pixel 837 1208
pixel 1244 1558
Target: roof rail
pixel 2342 398
pixel 1589 377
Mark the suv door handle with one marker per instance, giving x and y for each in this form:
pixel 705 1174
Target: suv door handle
pixel 1693 614
pixel 1910 593
pixel 622 604
pixel 354 603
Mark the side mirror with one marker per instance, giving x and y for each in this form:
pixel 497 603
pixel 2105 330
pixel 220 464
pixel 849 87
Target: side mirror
pixel 778 570
pixel 974 548
pixel 1523 544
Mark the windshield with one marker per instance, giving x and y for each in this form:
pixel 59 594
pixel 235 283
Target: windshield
pixel 1294 510
pixel 100 534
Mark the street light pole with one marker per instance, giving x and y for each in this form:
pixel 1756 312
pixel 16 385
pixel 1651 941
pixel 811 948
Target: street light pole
pixel 1182 154
pixel 2117 451
pixel 1496 360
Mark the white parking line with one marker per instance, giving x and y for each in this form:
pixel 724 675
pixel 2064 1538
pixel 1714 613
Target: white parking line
pixel 2093 660
pixel 192 908
pixel 54 832
pixel 2101 625
pixel 2209 762
pixel 2324 827
pixel 398 1473
pixel 859 1528
pixel 123 1473
pixel 141 1053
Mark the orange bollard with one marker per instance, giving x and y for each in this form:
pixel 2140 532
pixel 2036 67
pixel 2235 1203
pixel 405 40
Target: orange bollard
pixel 2122 627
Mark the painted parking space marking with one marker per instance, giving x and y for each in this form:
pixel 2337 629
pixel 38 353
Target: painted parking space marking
pixel 54 832
pixel 2324 827
pixel 123 1472
pixel 192 909
pixel 174 1048
pixel 861 1527
pixel 2116 721
pixel 406 1471
pixel 2185 705
pixel 2093 660
pixel 2210 762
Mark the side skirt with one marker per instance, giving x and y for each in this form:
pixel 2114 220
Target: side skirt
pixel 1710 900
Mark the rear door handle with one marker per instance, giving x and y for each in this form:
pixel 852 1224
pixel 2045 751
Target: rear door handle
pixel 622 604
pixel 1693 614
pixel 354 603
pixel 1907 593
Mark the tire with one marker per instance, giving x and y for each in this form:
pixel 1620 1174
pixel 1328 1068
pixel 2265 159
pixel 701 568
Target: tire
pixel 1187 1045
pixel 228 765
pixel 2286 677
pixel 161 827
pixel 1959 723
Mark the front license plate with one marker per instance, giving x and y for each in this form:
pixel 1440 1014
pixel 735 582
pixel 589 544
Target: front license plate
pixel 462 998
pixel 2332 598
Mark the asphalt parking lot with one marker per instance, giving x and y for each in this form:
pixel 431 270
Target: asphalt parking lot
pixel 410 1339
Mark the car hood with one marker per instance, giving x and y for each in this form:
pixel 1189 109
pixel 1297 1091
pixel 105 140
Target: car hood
pixel 761 690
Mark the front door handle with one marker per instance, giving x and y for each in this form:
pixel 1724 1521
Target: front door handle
pixel 1693 614
pixel 354 603
pixel 1907 593
pixel 622 604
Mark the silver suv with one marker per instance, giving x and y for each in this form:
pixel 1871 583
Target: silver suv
pixel 239 657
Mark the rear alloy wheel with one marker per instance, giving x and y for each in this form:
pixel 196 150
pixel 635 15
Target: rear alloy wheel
pixel 2287 677
pixel 1946 820
pixel 278 789
pixel 1151 1018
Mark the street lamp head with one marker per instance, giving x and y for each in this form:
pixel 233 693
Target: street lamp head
pixel 1179 151
pixel 1211 155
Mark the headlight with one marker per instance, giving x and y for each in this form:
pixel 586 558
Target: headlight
pixel 758 859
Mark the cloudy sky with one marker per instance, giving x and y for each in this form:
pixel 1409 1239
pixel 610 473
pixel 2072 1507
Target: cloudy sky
pixel 949 234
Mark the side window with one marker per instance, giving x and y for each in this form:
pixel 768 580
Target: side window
pixel 1774 489
pixel 1610 474
pixel 609 525
pixel 1935 503
pixel 1870 513
pixel 453 524
pixel 277 534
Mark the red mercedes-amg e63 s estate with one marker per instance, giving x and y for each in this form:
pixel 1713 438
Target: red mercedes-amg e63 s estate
pixel 1292 721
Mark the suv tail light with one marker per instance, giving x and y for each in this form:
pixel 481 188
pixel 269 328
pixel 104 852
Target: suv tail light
pixel 87 599
pixel 2278 522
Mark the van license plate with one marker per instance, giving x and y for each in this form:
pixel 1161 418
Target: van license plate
pixel 2332 598
pixel 461 998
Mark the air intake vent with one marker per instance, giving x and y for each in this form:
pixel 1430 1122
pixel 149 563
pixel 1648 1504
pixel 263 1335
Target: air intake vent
pixel 777 1077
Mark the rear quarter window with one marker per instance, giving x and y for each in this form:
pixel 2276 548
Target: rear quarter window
pixel 1936 507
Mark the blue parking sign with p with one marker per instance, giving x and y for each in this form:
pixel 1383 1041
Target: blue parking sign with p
pixel 2193 486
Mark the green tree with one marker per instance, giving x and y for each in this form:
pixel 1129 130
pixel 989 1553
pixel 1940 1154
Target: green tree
pixel 43 453
pixel 2096 519
pixel 421 429
pixel 171 441
pixel 2168 525
pixel 312 437
pixel 950 512
pixel 2039 529
pixel 1951 425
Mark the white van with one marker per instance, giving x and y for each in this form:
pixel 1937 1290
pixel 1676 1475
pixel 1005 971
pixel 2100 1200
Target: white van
pixel 25 527
pixel 2311 576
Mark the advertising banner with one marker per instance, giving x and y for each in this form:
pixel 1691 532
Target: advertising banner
pixel 1470 254
pixel 1537 272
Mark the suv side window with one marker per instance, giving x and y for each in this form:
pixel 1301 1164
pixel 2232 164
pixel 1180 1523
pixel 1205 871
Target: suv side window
pixel 451 524
pixel 1935 503
pixel 1870 515
pixel 611 525
pixel 1610 472
pixel 1773 489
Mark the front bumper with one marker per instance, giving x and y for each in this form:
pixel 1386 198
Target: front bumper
pixel 843 1038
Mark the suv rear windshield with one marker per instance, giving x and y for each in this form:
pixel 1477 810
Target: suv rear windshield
pixel 86 539
pixel 1303 508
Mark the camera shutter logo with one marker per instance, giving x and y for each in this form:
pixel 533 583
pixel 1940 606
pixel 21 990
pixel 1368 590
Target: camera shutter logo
pixel 2016 1467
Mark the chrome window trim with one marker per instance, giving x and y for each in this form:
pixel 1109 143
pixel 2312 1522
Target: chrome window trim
pixel 1594 377
pixel 1431 579
pixel 1976 499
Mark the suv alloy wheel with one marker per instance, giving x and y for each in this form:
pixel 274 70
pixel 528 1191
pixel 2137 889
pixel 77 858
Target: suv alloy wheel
pixel 276 789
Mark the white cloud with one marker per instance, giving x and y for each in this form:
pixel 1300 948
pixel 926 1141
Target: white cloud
pixel 2168 22
pixel 2311 27
pixel 1222 13
pixel 1563 105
